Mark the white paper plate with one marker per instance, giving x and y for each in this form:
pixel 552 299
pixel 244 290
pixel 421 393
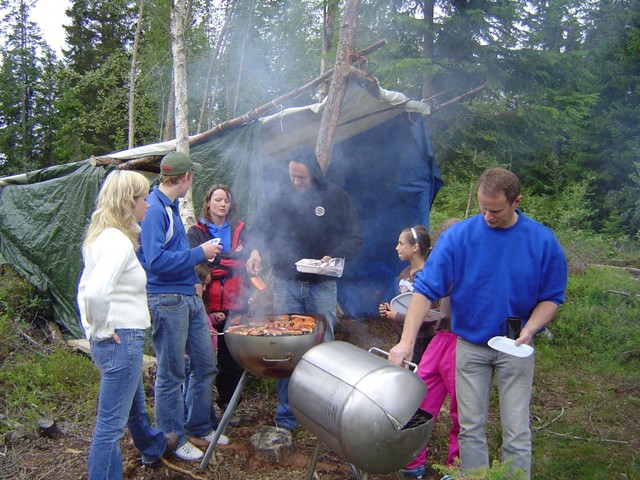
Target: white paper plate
pixel 506 345
pixel 401 302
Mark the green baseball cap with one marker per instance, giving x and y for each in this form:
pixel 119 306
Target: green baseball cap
pixel 177 163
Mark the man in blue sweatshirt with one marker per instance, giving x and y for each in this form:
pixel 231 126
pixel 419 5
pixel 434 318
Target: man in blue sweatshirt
pixel 179 323
pixel 495 265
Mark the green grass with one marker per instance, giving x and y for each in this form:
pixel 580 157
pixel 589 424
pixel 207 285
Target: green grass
pixel 587 393
pixel 59 384
pixel 38 379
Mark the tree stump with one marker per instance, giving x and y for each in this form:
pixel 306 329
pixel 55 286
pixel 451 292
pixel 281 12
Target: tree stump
pixel 47 427
pixel 272 444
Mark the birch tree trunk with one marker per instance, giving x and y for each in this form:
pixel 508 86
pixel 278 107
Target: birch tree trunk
pixel 169 129
pixel 178 20
pixel 331 113
pixel 132 78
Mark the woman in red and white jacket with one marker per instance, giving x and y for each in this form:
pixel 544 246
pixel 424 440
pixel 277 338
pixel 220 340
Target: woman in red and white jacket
pixel 226 295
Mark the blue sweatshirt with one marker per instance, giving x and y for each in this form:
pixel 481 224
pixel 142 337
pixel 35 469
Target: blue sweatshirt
pixel 170 264
pixel 493 273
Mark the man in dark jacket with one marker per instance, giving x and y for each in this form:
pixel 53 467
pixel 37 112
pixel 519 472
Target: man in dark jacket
pixel 308 218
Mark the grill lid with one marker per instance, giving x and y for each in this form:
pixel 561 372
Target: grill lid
pixel 395 390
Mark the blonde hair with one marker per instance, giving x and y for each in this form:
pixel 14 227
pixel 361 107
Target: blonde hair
pixel 115 204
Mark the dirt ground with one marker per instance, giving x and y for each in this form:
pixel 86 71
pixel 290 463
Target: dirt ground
pixel 42 458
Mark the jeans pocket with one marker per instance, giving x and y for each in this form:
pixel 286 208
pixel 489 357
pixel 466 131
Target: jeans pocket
pixel 165 300
pixel 103 353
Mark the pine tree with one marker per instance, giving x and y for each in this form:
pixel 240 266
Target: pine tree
pixel 23 132
pixel 93 107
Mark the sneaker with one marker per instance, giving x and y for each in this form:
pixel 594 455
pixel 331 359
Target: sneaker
pixel 448 477
pixel 188 452
pixel 415 472
pixel 172 442
pixel 223 440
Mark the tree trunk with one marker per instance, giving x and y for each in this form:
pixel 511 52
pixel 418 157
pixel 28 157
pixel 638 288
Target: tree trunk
pixel 331 114
pixel 178 21
pixel 132 78
pixel 169 130
pixel 330 9
pixel 214 57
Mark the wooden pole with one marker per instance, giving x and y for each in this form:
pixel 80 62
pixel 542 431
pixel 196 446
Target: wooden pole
pixel 330 8
pixel 459 98
pixel 214 57
pixel 331 113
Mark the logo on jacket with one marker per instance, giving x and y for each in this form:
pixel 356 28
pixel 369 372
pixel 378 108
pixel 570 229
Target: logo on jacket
pixel 319 211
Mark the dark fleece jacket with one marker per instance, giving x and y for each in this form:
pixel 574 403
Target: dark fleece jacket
pixel 320 221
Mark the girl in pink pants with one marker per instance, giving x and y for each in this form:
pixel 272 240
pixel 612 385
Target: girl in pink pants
pixel 438 371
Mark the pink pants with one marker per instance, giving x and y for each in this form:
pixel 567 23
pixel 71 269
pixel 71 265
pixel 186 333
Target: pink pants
pixel 438 371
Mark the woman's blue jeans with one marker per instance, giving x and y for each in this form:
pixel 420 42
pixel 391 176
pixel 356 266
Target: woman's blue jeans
pixel 180 325
pixel 121 402
pixel 292 296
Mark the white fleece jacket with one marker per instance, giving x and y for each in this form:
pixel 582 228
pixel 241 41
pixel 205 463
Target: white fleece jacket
pixel 112 290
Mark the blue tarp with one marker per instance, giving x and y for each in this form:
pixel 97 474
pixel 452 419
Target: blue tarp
pixel 392 178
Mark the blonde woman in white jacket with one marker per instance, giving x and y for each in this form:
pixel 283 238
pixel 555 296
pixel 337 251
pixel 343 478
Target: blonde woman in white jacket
pixel 114 314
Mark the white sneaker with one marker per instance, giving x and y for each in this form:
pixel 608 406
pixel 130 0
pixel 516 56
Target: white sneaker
pixel 188 452
pixel 223 440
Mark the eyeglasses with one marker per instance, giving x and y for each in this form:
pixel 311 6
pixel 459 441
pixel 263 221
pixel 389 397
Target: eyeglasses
pixel 415 235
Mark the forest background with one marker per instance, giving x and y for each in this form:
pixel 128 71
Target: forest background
pixel 559 102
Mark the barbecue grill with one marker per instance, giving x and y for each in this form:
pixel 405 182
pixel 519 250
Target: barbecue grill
pixel 364 408
pixel 267 346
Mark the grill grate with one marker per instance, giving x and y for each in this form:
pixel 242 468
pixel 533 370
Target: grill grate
pixel 419 418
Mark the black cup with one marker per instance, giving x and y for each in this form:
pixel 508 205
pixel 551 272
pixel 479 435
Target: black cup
pixel 514 326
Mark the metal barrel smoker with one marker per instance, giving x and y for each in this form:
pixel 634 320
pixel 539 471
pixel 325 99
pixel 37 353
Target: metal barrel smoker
pixel 263 353
pixel 361 406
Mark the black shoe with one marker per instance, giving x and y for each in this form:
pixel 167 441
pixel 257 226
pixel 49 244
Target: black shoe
pixel 234 421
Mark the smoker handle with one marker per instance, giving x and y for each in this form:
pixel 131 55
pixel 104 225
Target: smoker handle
pixel 265 359
pixel 411 365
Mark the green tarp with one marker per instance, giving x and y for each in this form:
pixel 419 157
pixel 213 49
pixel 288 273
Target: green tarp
pixel 41 228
